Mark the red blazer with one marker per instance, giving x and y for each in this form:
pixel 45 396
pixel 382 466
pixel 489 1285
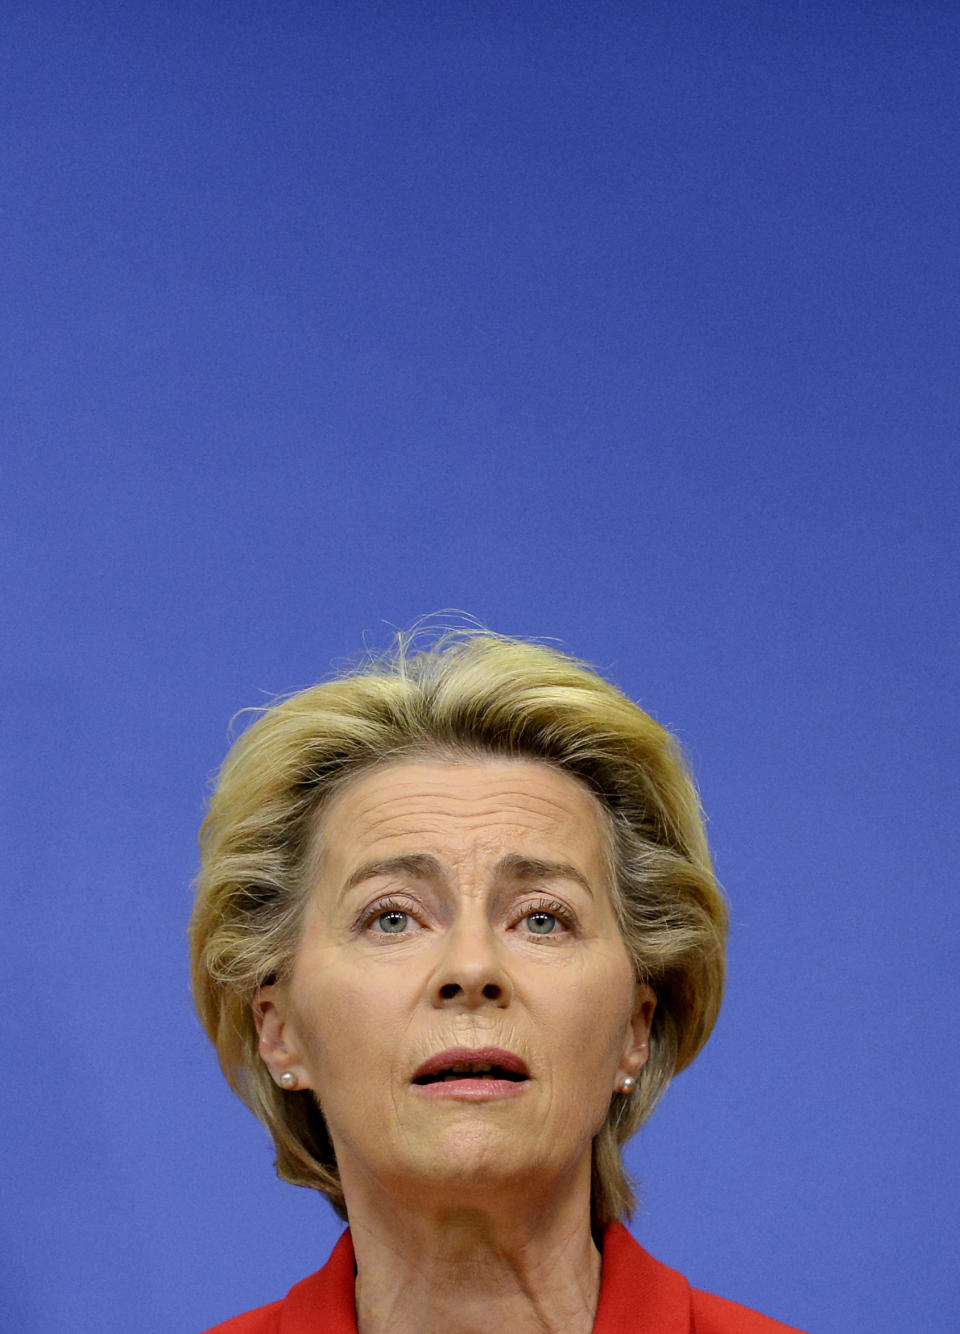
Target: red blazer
pixel 638 1295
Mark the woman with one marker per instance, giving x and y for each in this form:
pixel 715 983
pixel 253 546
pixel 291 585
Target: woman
pixel 456 928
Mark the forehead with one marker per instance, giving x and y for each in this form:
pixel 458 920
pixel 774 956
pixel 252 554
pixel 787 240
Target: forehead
pixel 456 808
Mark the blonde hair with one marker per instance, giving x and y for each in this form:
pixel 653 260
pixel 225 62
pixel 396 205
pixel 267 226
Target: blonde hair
pixel 470 691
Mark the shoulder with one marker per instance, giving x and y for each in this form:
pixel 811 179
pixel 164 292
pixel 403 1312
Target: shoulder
pixel 638 1291
pixel 715 1315
pixel 264 1320
pixel 328 1292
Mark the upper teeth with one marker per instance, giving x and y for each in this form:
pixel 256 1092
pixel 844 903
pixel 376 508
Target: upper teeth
pixel 479 1069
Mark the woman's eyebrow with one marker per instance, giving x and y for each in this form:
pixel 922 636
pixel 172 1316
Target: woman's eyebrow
pixel 418 864
pixel 517 867
pixel 422 866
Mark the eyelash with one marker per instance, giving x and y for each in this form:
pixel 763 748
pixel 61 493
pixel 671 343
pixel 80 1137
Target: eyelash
pixel 375 910
pixel 558 910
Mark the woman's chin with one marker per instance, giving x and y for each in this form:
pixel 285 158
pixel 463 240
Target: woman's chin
pixel 466 1164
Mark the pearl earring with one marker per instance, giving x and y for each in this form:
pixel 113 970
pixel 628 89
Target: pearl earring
pixel 288 1080
pixel 627 1084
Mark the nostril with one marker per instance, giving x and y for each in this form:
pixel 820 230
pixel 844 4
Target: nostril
pixel 449 990
pixel 491 991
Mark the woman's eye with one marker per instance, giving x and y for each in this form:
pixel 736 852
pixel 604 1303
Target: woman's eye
pixel 541 923
pixel 393 921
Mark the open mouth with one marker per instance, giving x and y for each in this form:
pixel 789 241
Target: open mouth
pixel 471 1070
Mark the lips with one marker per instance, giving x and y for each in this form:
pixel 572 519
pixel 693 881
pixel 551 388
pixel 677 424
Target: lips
pixel 470 1064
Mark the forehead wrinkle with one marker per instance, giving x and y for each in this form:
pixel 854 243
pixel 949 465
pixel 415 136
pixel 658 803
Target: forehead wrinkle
pixel 422 803
pixel 466 835
pixel 445 805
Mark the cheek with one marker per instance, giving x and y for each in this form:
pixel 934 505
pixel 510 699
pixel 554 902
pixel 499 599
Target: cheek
pixel 595 1024
pixel 347 1029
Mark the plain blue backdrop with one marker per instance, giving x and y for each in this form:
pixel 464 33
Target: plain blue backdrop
pixel 633 325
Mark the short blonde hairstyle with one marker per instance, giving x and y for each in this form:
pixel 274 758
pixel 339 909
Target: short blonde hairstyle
pixel 467 692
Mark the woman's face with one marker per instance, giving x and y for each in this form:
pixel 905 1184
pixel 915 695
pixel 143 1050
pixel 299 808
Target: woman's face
pixel 461 1001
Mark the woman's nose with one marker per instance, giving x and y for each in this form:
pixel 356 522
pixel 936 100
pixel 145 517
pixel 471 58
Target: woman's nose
pixel 470 972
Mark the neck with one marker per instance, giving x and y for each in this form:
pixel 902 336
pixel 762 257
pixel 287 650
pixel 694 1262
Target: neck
pixel 523 1262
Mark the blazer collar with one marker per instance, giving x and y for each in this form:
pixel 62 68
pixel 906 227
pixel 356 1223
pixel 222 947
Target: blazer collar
pixel 328 1294
pixel 638 1294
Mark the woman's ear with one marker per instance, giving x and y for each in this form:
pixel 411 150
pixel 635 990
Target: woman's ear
pixel 277 1044
pixel 637 1047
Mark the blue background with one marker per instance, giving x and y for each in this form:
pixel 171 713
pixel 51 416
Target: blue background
pixel 635 325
